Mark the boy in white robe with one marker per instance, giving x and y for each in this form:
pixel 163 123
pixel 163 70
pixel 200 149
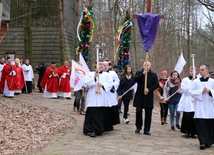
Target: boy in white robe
pixel 98 106
pixel 186 106
pixel 28 75
pixel 202 90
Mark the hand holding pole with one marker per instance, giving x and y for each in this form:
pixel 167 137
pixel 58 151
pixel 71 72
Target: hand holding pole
pixel 193 65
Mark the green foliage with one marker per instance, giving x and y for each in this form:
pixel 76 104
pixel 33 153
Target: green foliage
pixel 85 33
pixel 124 46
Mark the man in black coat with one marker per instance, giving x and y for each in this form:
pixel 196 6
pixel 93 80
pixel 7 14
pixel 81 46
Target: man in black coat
pixel 144 97
pixel 41 69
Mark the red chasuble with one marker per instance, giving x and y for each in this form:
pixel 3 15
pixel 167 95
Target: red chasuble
pixel 64 85
pixel 19 78
pixel 8 68
pixel 51 79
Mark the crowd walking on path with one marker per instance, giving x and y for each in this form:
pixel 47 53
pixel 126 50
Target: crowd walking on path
pixel 97 100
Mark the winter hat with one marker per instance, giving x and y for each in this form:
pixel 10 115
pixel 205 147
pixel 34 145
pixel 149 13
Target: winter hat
pixel 164 73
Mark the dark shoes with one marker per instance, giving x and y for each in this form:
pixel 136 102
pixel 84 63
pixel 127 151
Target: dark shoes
pixel 87 134
pixel 137 131
pixel 202 146
pixel 207 146
pixel 194 136
pixel 147 133
pixel 178 126
pixel 173 128
pixel 93 134
pixel 187 135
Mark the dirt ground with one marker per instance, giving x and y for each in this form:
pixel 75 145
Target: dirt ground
pixel 121 141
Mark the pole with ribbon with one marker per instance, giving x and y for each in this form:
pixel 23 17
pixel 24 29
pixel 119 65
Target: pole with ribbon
pixel 148 24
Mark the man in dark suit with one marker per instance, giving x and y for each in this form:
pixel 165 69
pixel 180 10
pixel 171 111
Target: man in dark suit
pixel 41 69
pixel 144 97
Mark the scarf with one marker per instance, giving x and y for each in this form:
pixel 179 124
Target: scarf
pixel 161 85
pixel 174 82
pixel 128 76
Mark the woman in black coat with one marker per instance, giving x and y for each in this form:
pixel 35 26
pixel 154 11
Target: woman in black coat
pixel 144 97
pixel 126 82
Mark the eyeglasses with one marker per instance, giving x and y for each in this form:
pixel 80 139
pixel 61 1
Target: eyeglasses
pixel 201 69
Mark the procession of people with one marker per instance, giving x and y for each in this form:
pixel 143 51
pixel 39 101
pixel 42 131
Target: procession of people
pixel 190 98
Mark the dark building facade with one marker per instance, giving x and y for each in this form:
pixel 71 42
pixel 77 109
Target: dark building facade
pixel 42 30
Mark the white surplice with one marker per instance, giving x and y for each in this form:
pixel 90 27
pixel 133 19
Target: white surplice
pixel 186 102
pixel 203 103
pixel 116 83
pixel 28 72
pixel 94 99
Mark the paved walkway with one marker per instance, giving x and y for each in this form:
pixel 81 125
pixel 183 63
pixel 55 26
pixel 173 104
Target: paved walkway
pixel 121 141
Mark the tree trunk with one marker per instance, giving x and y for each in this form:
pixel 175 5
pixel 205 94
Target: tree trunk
pixel 188 33
pixel 61 33
pixel 28 32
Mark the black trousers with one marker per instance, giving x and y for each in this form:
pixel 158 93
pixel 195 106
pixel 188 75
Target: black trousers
pixel 204 131
pixel 29 87
pixel 188 123
pixel 147 119
pixel 163 110
pixel 126 108
pixel 119 105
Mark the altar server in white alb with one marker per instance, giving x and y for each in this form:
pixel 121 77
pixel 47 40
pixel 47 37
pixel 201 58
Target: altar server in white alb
pixel 186 106
pixel 202 91
pixel 115 118
pixel 98 106
pixel 29 76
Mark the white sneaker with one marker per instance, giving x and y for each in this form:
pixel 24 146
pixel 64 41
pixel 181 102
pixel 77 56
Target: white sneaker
pixel 126 120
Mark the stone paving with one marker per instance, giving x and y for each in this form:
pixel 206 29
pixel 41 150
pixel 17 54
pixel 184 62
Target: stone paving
pixel 121 141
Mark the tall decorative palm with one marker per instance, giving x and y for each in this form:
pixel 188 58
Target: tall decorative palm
pixel 85 31
pixel 124 39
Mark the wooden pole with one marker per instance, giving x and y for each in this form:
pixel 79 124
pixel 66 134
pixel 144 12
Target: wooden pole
pixel 146 75
pixel 193 65
pixel 24 77
pixel 148 8
pixel 98 91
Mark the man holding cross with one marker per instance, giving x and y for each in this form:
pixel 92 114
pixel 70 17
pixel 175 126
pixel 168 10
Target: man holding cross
pixel 146 79
pixel 144 97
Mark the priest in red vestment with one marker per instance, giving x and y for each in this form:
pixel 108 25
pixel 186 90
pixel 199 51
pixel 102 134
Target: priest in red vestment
pixel 19 78
pixel 7 84
pixel 64 85
pixel 50 81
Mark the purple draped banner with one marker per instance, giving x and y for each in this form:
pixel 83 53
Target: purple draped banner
pixel 148 24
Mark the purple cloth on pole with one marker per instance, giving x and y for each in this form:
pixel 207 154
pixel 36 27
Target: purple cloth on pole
pixel 148 25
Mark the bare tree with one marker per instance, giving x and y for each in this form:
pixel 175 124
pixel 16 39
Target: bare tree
pixel 209 4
